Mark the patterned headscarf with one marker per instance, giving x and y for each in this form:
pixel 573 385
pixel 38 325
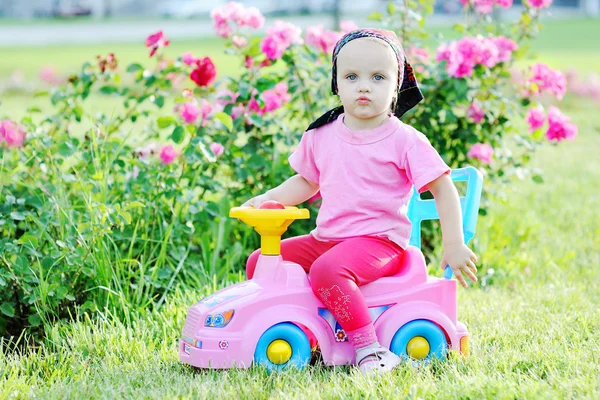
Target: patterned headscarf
pixel 409 94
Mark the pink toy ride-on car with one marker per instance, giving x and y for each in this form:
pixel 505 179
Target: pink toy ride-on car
pixel 275 320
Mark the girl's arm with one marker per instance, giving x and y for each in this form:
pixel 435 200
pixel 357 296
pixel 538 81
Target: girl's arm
pixel 294 191
pixel 456 254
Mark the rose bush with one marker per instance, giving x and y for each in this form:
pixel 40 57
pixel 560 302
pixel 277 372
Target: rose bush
pixel 116 211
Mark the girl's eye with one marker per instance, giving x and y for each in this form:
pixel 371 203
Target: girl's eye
pixel 351 77
pixel 378 77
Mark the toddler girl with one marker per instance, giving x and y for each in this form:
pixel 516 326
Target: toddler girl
pixel 365 161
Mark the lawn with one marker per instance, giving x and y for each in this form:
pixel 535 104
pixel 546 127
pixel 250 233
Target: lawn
pixel 534 324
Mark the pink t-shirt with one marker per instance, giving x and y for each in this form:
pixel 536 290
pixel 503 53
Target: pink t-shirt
pixel 366 178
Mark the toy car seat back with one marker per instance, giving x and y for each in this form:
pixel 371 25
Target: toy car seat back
pixel 413 269
pixel 420 210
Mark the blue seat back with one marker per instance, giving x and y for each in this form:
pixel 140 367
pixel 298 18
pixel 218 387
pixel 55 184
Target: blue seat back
pixel 420 210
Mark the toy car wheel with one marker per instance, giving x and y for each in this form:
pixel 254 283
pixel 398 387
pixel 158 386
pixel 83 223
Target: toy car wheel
pixel 283 346
pixel 420 340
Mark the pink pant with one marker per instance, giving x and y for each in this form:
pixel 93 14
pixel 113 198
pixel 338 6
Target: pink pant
pixel 336 270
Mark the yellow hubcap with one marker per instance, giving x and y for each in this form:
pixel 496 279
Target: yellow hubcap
pixel 418 347
pixel 279 352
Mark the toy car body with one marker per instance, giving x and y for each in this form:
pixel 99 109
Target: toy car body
pixel 275 319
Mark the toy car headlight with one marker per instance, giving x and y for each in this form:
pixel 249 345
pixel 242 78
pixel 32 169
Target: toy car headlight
pixel 219 320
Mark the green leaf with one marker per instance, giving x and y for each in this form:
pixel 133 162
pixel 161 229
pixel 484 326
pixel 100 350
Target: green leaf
pixel 134 204
pixel 66 149
pixel 164 122
pixel 7 309
pixel 34 320
pixel 134 67
pixel 178 134
pixel 28 239
pixel 126 216
pixel 159 101
pixel 225 120
pixel 78 113
pixel 109 89
pixel 264 84
pixel 17 216
pixel 391 8
pixel 34 110
pixel 537 179
pixel 376 16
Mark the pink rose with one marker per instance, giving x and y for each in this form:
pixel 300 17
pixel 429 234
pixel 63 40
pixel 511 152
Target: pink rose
pixel 322 39
pixel 239 41
pixel 188 58
pixel 559 126
pixel 536 118
pixel 538 3
pixel 248 62
pixel 504 3
pixel 281 89
pixel 48 74
pixel 168 154
pixel 205 109
pixel 475 113
pixel 235 13
pixel 506 47
pixel 189 112
pixel 547 80
pixel 238 111
pixel 225 97
pixel 11 133
pixel 156 41
pixel 481 151
pixel 463 55
pixel 204 73
pixel 251 17
pixel 279 37
pixel 273 99
pixel 272 47
pixel 484 6
pixel 217 148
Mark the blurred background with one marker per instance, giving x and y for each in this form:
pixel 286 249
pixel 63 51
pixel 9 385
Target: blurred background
pixel 43 41
pixel 37 22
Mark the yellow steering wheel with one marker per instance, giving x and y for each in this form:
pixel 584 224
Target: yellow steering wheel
pixel 269 223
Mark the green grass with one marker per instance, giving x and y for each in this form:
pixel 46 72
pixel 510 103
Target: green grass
pixel 534 328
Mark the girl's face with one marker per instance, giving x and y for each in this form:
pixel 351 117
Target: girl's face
pixel 367 78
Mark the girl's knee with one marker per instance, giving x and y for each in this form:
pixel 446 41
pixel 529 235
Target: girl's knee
pixel 324 274
pixel 251 263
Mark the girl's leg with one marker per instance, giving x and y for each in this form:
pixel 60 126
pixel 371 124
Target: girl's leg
pixel 336 277
pixel 303 250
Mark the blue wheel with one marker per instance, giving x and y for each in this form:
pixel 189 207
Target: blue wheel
pixel 282 346
pixel 420 340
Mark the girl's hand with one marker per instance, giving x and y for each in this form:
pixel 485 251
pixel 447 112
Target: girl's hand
pixel 257 201
pixel 461 260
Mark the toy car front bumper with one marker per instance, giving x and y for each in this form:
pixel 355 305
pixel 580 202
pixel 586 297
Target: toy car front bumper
pixel 213 353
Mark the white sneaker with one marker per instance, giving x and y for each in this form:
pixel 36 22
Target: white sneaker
pixel 378 361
